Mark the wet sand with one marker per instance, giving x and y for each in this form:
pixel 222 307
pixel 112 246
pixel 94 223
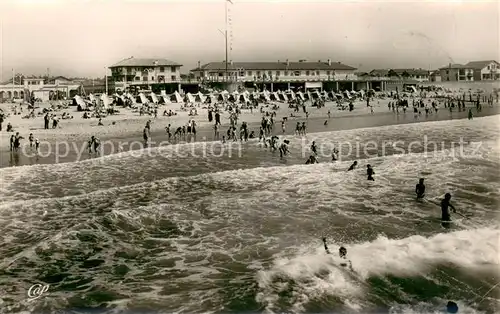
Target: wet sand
pixel 77 150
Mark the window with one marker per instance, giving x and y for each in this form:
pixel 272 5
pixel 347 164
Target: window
pixel 162 69
pixel 317 72
pixel 242 73
pixel 327 72
pixel 144 78
pixel 447 72
pixel 137 78
pixel 172 69
pixel 249 73
pixel 173 77
pixel 152 78
pixel 286 73
pixel 297 73
pixel 278 73
pixel 258 73
pixel 270 73
pixel 488 67
pixel 307 72
pixel 221 74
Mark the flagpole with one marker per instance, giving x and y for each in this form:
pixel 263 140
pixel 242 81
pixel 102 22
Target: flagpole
pixel 225 36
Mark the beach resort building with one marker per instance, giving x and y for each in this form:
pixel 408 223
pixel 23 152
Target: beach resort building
pixel 23 88
pixel 485 70
pixel 279 75
pixel 143 73
pixel 456 73
pixel 418 75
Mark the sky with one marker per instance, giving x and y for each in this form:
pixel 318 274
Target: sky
pixel 81 38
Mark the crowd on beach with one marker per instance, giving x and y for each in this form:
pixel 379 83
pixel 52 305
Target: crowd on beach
pixel 237 129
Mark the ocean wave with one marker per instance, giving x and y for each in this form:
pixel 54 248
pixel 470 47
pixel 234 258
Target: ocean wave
pixel 309 275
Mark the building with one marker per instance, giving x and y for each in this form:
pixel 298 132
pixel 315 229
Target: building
pixel 435 76
pixel 456 73
pixel 485 70
pixel 304 73
pixel 23 88
pixel 418 75
pixel 144 73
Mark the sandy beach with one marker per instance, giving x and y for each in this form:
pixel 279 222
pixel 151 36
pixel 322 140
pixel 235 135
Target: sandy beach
pixel 68 142
pixel 129 123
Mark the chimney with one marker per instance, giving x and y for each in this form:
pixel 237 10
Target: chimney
pixel 329 61
pixel 287 63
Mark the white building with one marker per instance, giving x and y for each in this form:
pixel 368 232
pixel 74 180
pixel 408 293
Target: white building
pixel 301 71
pixel 485 70
pixel 36 87
pixel 144 72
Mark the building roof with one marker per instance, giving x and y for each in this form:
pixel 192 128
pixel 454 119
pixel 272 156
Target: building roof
pixel 455 66
pixel 139 62
pixel 379 72
pixel 478 65
pixel 412 71
pixel 292 66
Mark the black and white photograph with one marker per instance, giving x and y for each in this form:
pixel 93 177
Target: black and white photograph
pixel 244 156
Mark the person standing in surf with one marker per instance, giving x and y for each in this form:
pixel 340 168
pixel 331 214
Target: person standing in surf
pixel 445 212
pixel 370 172
pixel 420 189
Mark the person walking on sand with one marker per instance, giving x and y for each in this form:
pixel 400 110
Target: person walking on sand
pixel 471 115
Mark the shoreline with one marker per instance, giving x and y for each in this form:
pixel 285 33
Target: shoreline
pixel 77 150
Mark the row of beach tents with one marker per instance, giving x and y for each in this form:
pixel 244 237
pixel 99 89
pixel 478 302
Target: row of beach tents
pixel 212 98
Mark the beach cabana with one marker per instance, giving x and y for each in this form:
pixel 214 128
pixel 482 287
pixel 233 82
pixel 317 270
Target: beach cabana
pixel 222 97
pixel 141 99
pixel 106 102
pixel 189 98
pixel 274 96
pixel 233 97
pixel 93 99
pixel 265 95
pixel 199 97
pixel 290 94
pixel 153 98
pixel 176 97
pixel 210 99
pixel 81 105
pixel 163 99
pixel 243 98
pixel 300 96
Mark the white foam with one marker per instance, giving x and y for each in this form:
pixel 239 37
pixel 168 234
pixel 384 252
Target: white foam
pixel 472 250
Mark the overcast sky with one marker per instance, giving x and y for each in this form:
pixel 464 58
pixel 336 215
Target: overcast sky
pixel 81 38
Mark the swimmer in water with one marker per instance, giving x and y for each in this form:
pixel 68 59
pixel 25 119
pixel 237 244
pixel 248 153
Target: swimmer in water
pixel 354 164
pixel 370 172
pixel 343 255
pixel 312 160
pixel 313 148
pixel 326 246
pixel 445 212
pixel 420 189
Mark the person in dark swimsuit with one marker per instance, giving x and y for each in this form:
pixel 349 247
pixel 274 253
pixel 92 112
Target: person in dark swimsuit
pixel 445 212
pixel 354 164
pixel 312 160
pixel 420 189
pixel 370 172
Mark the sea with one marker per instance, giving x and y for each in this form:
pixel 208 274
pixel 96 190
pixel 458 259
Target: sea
pixel 215 228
